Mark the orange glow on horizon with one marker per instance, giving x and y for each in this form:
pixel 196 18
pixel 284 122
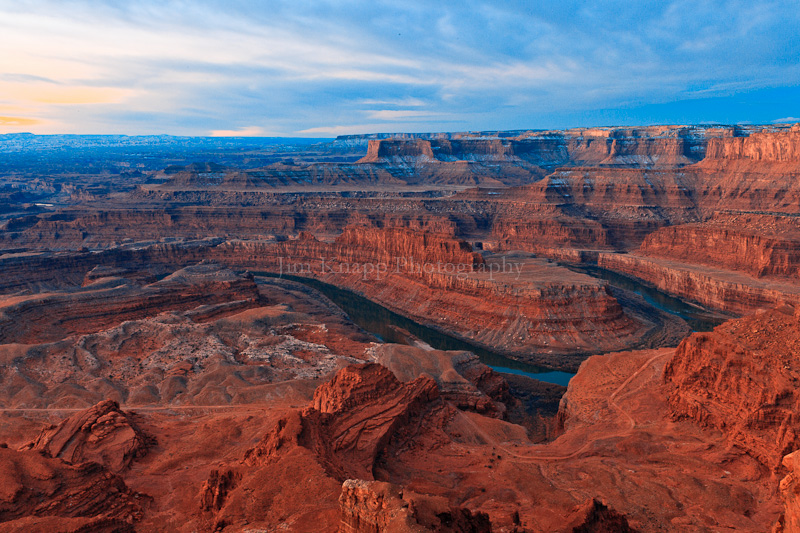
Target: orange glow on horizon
pixel 18 121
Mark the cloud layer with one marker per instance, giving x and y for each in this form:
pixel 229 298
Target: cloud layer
pixel 325 68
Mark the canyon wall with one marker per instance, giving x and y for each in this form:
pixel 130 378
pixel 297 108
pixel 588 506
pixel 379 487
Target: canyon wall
pixel 515 304
pixel 525 307
pixel 110 301
pixel 719 289
pixel 789 521
pixel 649 146
pixel 759 245
pixel 764 146
pixel 742 380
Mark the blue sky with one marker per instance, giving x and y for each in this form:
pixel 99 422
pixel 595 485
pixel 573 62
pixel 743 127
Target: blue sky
pixel 300 68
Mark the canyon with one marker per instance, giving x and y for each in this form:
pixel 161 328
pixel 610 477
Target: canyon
pixel 168 362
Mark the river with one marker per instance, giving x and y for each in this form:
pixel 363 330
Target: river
pixel 383 323
pixel 698 318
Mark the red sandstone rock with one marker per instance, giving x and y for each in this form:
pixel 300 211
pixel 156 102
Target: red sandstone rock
pixel 769 146
pixel 111 301
pixel 216 489
pixel 34 485
pixel 374 506
pixel 658 145
pixel 759 245
pixel 789 521
pixel 462 379
pixel 726 290
pixel 596 517
pixel 742 380
pixel 210 355
pixel 619 444
pixel 350 422
pixel 103 434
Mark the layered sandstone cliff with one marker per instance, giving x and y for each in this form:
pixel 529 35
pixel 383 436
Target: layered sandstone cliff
pixel 344 434
pixel 40 493
pixel 725 290
pixel 348 441
pixel 370 506
pixel 759 245
pixel 513 303
pixel 462 379
pixel 111 301
pixel 742 380
pixel 767 146
pixel 657 145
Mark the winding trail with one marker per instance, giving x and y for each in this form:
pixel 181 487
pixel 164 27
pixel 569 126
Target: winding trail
pixel 612 401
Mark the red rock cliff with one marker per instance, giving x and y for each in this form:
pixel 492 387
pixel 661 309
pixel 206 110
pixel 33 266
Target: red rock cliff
pixel 789 521
pixel 725 290
pixel 742 380
pixel 772 146
pixel 760 245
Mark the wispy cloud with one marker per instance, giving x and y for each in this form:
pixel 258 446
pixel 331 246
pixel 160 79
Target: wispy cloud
pixel 249 131
pixel 350 129
pixel 786 120
pixel 404 114
pixel 212 66
pixel 398 102
pixel 18 121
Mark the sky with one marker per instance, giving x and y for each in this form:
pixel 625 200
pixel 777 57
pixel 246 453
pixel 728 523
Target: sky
pixel 325 68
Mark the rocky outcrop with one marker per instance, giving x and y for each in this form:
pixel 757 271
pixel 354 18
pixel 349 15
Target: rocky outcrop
pixel 348 431
pixel 350 422
pixel 462 379
pixel 381 150
pixel 789 521
pixel 596 517
pixel 591 209
pixel 549 233
pixel 209 355
pixel 742 380
pixel 103 434
pixel 656 145
pixel 375 506
pixel 216 488
pixel 653 146
pixel 725 290
pixel 392 245
pixel 37 486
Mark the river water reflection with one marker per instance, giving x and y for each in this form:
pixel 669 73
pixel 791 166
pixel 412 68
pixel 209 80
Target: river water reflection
pixel 384 323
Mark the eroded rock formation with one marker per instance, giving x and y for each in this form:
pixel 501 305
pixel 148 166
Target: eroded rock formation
pixel 513 303
pixel 48 494
pixel 653 440
pixel 759 245
pixel 789 521
pixel 351 421
pixel 111 301
pixel 742 380
pixel 103 434
pixel 375 506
